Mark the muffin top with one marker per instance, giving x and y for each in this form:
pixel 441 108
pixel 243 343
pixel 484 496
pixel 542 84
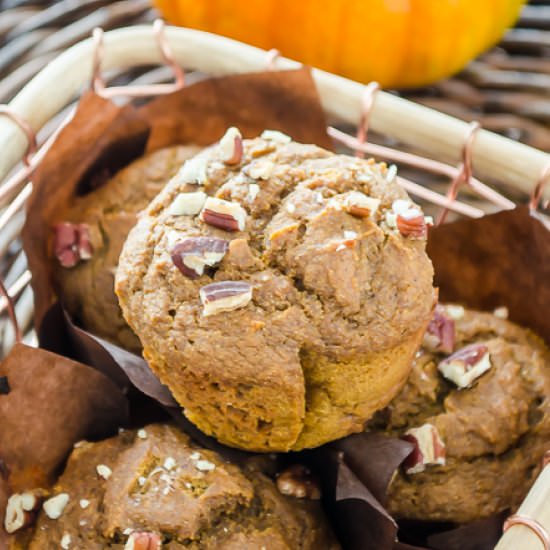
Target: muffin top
pixel 477 407
pixel 103 218
pixel 486 413
pixel 155 487
pixel 261 250
pixel 316 237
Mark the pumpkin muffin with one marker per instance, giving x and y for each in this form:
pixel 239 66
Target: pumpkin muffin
pixel 155 489
pixel 89 236
pixel 477 408
pixel 279 290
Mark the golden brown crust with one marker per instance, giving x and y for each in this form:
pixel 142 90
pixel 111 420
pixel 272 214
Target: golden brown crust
pixel 349 291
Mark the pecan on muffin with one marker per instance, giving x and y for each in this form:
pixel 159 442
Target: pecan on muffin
pixel 88 238
pixel 155 489
pixel 279 290
pixel 477 408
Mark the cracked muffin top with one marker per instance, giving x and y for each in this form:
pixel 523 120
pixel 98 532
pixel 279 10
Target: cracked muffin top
pixel 260 253
pixel 477 408
pixel 89 236
pixel 155 489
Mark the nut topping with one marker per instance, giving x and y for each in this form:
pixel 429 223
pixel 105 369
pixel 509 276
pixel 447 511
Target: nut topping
pixel 260 169
pixel 440 335
pixel 103 471
pixel 66 541
pixel 225 296
pixel 205 465
pixel 360 205
pixel 466 365
pixel 415 228
pixel 253 190
pixel 391 173
pixel 191 255
pixel 409 219
pixel 187 204
pixel 454 312
pixel 193 171
pixel 143 541
pixel 501 312
pixel 298 481
pixel 169 463
pixel 21 511
pixel 428 450
pixel 275 135
pixel 226 215
pixel 231 146
pixel 72 243
pixel 54 506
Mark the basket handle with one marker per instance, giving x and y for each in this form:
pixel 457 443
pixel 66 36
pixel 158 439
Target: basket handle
pixel 528 529
pixel 493 156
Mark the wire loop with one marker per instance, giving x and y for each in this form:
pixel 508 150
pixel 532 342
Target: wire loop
pixel 533 524
pixel 26 128
pixel 100 88
pixel 10 306
pixel 465 170
pixel 367 102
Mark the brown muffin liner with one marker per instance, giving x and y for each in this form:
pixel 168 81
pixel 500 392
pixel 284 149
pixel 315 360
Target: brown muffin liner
pixel 104 137
pixel 47 404
pixel 498 260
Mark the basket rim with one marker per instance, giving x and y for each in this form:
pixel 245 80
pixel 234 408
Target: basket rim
pixel 493 156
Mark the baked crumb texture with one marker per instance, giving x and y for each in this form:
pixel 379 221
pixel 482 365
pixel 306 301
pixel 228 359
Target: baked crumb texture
pixel 187 497
pixel 330 293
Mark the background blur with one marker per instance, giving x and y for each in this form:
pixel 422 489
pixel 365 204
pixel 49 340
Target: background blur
pixel 506 89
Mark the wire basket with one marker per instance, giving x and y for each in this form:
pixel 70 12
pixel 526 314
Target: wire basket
pixel 457 150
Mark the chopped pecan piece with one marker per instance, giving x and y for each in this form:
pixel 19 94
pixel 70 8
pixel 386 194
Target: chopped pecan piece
pixel 409 219
pixel 187 204
pixel 298 481
pixel 193 171
pixel 72 243
pixel 225 296
pixel 428 450
pixel 21 510
pixel 141 540
pixel 440 335
pixel 360 205
pixel 191 255
pixel 222 214
pixel 231 146
pixel 466 365
pixel 275 135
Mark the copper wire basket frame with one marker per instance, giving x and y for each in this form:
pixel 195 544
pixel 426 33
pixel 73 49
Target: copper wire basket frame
pixel 489 155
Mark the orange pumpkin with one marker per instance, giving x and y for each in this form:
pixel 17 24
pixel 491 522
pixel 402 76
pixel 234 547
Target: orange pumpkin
pixel 399 43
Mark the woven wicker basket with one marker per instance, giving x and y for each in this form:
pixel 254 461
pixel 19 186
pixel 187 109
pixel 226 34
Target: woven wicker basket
pixel 514 168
